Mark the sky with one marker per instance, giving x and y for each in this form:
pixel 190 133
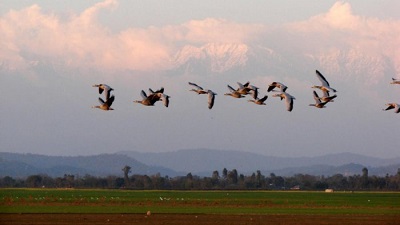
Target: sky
pixel 52 52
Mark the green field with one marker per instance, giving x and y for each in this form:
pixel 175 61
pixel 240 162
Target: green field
pixel 201 202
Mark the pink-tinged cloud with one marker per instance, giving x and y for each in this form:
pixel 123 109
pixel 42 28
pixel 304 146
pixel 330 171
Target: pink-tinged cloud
pixel 212 30
pixel 31 35
pixel 339 40
pixel 349 45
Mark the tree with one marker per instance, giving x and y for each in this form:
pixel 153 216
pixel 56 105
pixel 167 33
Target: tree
pixel 364 178
pixel 224 173
pixel 215 175
pixel 189 181
pixel 127 170
pixel 215 178
pixel 34 181
pixel 119 182
pixel 7 181
pixel 259 179
pixel 233 176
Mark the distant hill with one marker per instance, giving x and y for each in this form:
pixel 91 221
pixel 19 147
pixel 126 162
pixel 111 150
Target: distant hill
pixel 201 162
pixel 204 161
pixel 20 165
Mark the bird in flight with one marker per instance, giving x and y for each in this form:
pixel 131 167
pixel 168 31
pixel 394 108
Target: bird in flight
pixel 318 103
pixel 259 101
pixel 105 105
pixel 324 83
pixel 199 90
pixel 279 85
pixel 394 106
pixel 288 99
pixel 104 87
pixel 395 81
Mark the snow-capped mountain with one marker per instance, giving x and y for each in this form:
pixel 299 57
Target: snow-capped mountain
pixel 350 64
pixel 218 57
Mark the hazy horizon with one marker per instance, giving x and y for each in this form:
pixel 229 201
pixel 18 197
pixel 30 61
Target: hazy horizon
pixel 51 53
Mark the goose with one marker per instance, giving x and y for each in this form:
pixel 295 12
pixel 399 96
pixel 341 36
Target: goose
pixel 254 89
pixel 211 98
pixel 288 98
pixel 164 98
pixel 259 101
pixel 148 100
pixel 394 106
pixel 395 81
pixel 234 93
pixel 279 85
pixel 324 83
pixel 105 105
pixel 326 98
pixel 199 90
pixel 244 89
pixel 161 90
pixel 104 87
pixel 156 95
pixel 318 102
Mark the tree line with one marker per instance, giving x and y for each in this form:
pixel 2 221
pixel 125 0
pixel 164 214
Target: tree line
pixel 226 180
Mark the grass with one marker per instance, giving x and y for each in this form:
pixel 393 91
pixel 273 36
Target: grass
pixel 202 202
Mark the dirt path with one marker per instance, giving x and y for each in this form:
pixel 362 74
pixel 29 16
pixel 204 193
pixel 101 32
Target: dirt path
pixel 192 219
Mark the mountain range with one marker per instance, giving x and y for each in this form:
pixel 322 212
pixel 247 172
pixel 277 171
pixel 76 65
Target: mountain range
pixel 246 59
pixel 204 161
pixel 200 162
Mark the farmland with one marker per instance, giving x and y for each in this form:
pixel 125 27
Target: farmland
pixel 382 207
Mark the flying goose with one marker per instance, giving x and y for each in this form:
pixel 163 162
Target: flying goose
pixel 245 89
pixel 161 90
pixel 288 98
pixel 326 98
pixel 259 101
pixel 199 90
pixel 395 81
pixel 318 102
pixel 394 106
pixel 279 85
pixel 164 98
pixel 324 83
pixel 211 98
pixel 104 87
pixel 105 105
pixel 234 93
pixel 253 89
pixel 148 100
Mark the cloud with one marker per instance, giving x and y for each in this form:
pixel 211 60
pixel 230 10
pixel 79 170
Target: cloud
pixel 339 41
pixel 32 35
pixel 350 45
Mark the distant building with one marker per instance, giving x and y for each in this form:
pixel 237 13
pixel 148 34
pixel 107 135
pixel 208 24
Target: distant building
pixel 297 187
